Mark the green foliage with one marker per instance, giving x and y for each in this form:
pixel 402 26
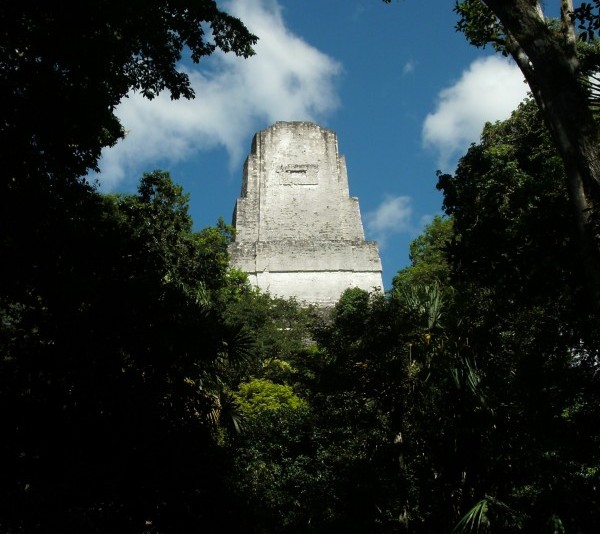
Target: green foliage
pixel 351 311
pixel 480 25
pixel 475 520
pixel 110 331
pixel 281 331
pixel 489 515
pixel 425 303
pixel 429 247
pixel 279 371
pixel 112 344
pixel 59 95
pixel 213 242
pixel 329 466
pixel 515 268
pixel 275 475
pixel 508 190
pixel 260 395
pixel 428 255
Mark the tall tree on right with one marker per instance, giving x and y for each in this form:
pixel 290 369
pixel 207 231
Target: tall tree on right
pixel 547 52
pixel 518 296
pixel 548 56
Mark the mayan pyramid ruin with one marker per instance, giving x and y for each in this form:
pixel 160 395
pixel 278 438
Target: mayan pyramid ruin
pixel 298 232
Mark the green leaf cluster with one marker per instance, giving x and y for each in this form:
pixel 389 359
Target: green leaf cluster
pixel 261 395
pixel 429 256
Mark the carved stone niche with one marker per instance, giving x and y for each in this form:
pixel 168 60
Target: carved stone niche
pixel 298 174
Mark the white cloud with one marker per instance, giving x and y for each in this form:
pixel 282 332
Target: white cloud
pixel 487 91
pixel 287 79
pixel 392 216
pixel 409 67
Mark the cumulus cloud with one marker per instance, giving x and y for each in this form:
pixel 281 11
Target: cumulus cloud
pixel 392 216
pixel 287 79
pixel 487 91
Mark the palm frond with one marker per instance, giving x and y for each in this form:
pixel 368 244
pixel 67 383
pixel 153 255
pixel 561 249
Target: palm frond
pixel 486 512
pixel 238 345
pixel 426 301
pixel 475 520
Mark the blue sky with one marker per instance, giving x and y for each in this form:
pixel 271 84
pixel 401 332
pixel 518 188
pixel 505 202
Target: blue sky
pixel 405 93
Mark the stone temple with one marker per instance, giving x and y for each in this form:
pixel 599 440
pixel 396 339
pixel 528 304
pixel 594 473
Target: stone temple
pixel 298 232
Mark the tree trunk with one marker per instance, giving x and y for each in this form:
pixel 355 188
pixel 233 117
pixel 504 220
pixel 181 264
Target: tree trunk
pixel 549 62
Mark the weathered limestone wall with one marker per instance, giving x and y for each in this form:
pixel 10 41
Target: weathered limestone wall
pixel 299 234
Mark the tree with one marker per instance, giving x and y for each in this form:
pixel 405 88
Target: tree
pixel 428 256
pixel 510 209
pixel 260 395
pixel 547 54
pixel 548 57
pixel 401 392
pixel 281 330
pixel 65 70
pixel 275 473
pixel 518 298
pixel 113 350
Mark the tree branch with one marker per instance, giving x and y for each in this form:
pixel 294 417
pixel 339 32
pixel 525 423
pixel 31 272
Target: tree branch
pixel 568 25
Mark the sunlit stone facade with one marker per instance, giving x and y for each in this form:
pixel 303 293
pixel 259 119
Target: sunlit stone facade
pixel 299 233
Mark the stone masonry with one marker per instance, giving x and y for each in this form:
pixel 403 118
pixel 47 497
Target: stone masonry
pixel 298 232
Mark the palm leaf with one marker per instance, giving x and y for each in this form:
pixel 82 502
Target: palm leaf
pixel 476 519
